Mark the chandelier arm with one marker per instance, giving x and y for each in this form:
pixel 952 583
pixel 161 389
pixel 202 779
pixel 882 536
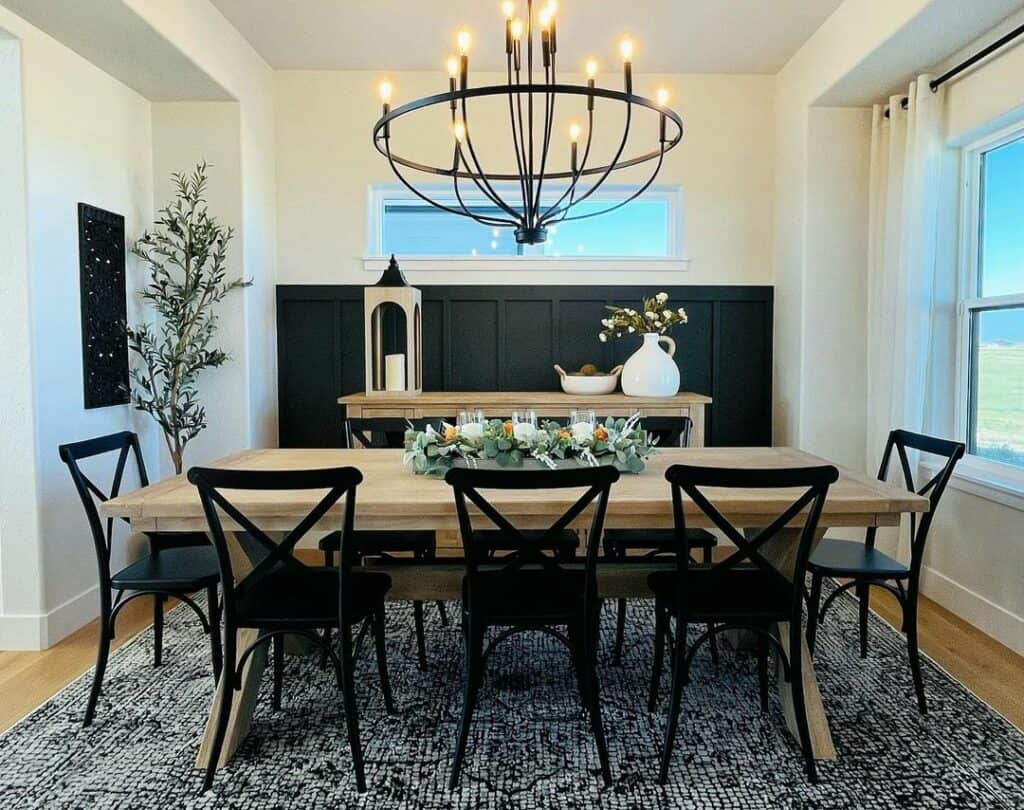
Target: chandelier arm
pixel 524 176
pixel 570 192
pixel 479 218
pixel 515 132
pixel 615 161
pixel 529 110
pixel 480 178
pixel 630 199
pixel 421 195
pixel 549 115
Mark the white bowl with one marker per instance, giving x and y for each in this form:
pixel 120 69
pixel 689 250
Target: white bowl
pixel 589 385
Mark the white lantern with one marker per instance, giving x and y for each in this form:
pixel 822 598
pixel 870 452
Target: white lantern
pixel 393 334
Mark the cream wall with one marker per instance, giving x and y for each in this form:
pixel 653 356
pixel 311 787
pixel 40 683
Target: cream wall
pixel 87 139
pixel 326 164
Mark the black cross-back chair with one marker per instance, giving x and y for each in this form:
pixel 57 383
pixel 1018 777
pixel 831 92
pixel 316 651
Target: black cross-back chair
pixel 865 566
pixel 743 591
pixel 176 566
pixel 282 596
pixel 380 433
pixel 531 588
pixel 669 431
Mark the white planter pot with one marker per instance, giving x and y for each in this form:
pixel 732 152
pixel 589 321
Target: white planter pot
pixel 650 372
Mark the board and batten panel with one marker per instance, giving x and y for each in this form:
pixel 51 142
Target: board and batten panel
pixel 506 338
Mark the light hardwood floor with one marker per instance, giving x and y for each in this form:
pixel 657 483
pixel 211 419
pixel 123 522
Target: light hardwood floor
pixel 987 668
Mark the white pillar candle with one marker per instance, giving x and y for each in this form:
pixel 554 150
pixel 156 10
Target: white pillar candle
pixel 394 374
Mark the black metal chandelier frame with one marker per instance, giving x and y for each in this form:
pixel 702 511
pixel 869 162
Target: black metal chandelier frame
pixel 533 218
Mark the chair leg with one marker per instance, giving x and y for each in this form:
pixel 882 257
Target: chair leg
pixel 379 624
pixel 678 680
pixel 474 675
pixel 278 644
pixel 660 622
pixel 592 694
pixel 620 632
pixel 910 625
pixel 158 628
pixel 863 594
pixel 443 611
pixel 324 656
pixel 813 606
pixel 102 654
pixel 226 688
pixel 421 642
pixel 762 669
pixel 348 688
pixel 796 670
pixel 213 609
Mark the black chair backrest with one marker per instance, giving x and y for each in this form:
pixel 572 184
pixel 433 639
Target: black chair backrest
pixel 339 482
pixel 89 493
pixel 529 550
pixel 379 433
pixel 901 441
pixel 815 482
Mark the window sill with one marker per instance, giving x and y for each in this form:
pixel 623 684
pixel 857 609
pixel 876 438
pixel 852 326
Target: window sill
pixel 521 264
pixel 999 483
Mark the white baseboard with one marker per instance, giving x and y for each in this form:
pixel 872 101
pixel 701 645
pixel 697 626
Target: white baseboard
pixel 39 631
pixel 1005 627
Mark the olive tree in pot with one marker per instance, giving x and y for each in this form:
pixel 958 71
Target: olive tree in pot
pixel 186 255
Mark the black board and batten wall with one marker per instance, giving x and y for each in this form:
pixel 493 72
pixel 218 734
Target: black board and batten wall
pixel 507 338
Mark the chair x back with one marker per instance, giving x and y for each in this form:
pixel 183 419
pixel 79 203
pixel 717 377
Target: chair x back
pixel 281 595
pixel 749 590
pixel 167 571
pixel 530 588
pixel 863 566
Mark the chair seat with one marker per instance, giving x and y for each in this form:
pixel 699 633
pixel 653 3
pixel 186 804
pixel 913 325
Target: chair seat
pixel 743 594
pixel 308 597
pixel 173 569
pixel 850 558
pixel 384 541
pixel 525 595
pixel 566 542
pixel 660 539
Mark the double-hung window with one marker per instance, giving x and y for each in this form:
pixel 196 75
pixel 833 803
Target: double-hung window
pixel 991 412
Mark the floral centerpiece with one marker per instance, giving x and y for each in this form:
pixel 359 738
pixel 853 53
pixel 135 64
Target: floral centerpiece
pixel 617 441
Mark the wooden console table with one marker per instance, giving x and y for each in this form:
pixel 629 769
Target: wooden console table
pixel 550 404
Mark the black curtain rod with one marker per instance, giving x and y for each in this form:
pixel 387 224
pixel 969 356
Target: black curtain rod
pixel 968 63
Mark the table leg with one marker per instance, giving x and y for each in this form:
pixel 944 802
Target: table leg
pixel 243 702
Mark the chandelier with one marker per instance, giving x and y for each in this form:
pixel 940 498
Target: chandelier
pixel 514 200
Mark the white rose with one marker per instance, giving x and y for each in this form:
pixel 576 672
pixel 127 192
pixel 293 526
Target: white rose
pixel 602 337
pixel 524 431
pixel 631 330
pixel 666 314
pixel 662 297
pixel 682 311
pixel 472 431
pixel 582 431
pixel 658 324
pixel 651 316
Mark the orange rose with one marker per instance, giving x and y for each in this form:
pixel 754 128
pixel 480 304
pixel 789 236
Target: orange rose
pixel 450 432
pixel 564 434
pixel 509 428
pixel 601 433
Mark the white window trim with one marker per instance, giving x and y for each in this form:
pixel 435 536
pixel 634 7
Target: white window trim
pixel 375 260
pixel 992 480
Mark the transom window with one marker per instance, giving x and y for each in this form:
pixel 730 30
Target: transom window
pixel 992 315
pixel 648 227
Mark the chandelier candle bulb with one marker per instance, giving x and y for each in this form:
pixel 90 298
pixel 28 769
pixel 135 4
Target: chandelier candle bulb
pixel 663 101
pixel 385 97
pixel 627 59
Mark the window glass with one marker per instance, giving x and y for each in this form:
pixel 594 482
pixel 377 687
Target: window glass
pixel 1001 260
pixel 997 385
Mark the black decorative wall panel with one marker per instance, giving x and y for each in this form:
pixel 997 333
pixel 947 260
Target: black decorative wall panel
pixel 104 307
pixel 506 338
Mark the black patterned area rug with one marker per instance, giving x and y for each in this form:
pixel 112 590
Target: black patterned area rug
pixel 530 746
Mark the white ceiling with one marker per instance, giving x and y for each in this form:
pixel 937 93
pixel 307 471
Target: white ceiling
pixel 672 36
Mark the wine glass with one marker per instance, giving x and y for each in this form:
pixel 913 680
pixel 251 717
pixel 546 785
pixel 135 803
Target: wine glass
pixel 528 417
pixel 585 416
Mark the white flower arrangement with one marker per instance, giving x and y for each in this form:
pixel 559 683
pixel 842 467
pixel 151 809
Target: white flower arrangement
pixel 656 316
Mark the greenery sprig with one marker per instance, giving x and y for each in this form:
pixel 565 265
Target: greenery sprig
pixel 187 255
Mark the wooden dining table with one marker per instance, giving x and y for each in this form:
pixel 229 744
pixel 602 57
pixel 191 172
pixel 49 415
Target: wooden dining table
pixel 393 497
